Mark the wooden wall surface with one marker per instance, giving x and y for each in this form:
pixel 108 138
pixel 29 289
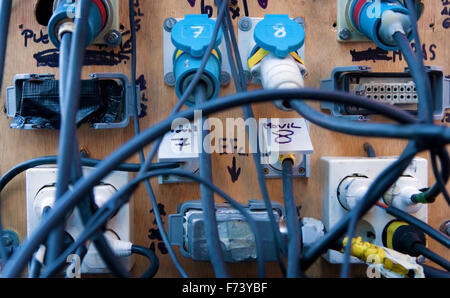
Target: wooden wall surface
pixel 323 53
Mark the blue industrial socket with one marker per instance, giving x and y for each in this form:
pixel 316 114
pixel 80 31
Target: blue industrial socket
pixel 191 37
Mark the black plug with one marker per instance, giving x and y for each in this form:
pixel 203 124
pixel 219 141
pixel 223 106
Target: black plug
pixel 400 236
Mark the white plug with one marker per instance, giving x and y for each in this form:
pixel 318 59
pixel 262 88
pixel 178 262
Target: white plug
pixel 352 190
pixel 279 73
pixel 392 22
pixel 401 192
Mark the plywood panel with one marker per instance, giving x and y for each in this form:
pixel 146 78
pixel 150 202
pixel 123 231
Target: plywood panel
pixel 323 53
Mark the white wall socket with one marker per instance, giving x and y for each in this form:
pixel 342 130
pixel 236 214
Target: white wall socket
pixel 333 170
pixel 40 186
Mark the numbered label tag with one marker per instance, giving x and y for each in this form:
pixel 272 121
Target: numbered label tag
pixel 284 136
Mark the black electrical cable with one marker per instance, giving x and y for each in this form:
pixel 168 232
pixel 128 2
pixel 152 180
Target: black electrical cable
pixel 293 225
pixel 87 162
pixel 68 127
pixel 240 85
pixel 375 191
pixel 119 199
pixel 413 221
pixel 207 197
pixel 423 250
pixel 5 16
pixel 16 263
pixel 151 256
pixel 431 272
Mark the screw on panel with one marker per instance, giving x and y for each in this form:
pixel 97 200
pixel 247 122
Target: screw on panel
pixel 300 20
pixel 345 34
pixel 266 171
pixel 445 227
pixel 10 238
pixel 113 38
pixel 169 79
pixel 225 78
pixel 169 23
pixel 245 24
pixel 302 171
pixel 247 76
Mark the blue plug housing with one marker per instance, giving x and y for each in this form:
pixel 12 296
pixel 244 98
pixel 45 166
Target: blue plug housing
pixel 366 15
pixel 66 12
pixel 191 37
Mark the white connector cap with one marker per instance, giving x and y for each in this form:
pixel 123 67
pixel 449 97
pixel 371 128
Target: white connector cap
pixel 44 198
pixel 119 247
pixel 392 22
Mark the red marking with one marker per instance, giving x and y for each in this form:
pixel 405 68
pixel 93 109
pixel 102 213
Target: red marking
pixel 357 10
pixel 102 9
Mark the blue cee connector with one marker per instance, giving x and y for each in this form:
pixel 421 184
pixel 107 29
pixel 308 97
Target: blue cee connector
pixel 65 14
pixel 191 37
pixel 367 16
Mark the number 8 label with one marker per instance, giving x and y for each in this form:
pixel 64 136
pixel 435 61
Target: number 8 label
pixel 280 31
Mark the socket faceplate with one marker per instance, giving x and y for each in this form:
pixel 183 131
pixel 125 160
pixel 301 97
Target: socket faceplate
pixel 41 181
pixel 335 169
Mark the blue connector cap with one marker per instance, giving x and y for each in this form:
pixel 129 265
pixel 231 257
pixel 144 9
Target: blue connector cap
pixel 279 34
pixel 193 34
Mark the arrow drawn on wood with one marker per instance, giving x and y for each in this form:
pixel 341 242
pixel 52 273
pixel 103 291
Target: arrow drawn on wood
pixel 234 171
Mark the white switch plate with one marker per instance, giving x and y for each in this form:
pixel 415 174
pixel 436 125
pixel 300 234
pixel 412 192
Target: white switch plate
pixel 334 169
pixel 44 179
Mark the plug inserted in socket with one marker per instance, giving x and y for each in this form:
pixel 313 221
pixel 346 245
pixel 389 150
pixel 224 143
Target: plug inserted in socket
pixel 40 191
pixel 345 179
pixel 247 44
pixel 282 137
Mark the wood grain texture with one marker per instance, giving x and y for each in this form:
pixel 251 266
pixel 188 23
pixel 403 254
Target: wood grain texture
pixel 323 53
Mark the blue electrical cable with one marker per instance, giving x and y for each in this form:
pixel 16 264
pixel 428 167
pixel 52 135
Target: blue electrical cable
pixel 68 126
pixel 248 114
pixel 207 196
pixel 431 133
pixel 120 198
pixel 376 190
pixel 240 85
pixel 293 224
pixel 147 164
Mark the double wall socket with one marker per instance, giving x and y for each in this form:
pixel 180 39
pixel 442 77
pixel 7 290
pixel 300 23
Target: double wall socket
pixel 40 191
pixel 334 170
